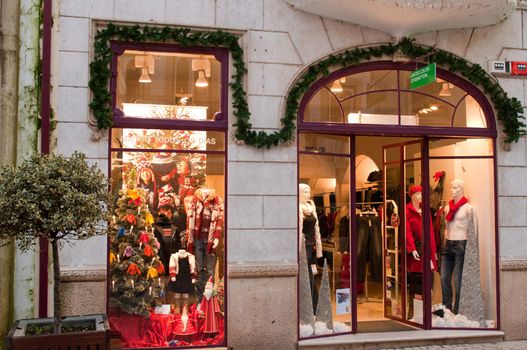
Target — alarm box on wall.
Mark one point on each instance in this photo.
(518, 68)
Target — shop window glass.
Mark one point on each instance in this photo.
(321, 143)
(440, 89)
(374, 108)
(425, 110)
(464, 294)
(367, 82)
(324, 245)
(323, 107)
(469, 114)
(168, 85)
(166, 239)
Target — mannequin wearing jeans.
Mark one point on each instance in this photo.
(453, 253)
(309, 230)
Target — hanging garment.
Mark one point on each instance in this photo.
(369, 247)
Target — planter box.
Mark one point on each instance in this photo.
(99, 339)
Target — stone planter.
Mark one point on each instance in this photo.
(99, 339)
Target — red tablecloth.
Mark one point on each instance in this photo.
(158, 330)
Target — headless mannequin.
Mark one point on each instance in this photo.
(453, 253)
(182, 253)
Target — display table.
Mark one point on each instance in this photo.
(156, 330)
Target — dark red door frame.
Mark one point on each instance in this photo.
(45, 115)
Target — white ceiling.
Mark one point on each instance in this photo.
(405, 17)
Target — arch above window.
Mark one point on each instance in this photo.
(377, 94)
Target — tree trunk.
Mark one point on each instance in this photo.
(57, 310)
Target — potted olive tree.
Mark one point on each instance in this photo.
(61, 199)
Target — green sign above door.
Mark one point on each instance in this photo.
(423, 76)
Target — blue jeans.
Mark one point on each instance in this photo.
(205, 264)
(452, 258)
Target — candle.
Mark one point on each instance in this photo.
(153, 259)
(150, 290)
(140, 245)
(113, 284)
(133, 286)
(139, 210)
(131, 228)
(159, 281)
(118, 258)
(113, 218)
(147, 207)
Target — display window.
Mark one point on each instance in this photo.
(397, 214)
(166, 284)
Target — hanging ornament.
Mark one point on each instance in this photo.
(148, 251)
(133, 269)
(160, 268)
(149, 219)
(128, 251)
(152, 273)
(143, 237)
(120, 232)
(130, 217)
(133, 194)
(113, 258)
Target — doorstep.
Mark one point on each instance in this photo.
(387, 340)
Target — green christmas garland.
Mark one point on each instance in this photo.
(509, 110)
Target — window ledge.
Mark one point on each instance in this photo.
(402, 339)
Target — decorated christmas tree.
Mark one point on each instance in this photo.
(134, 263)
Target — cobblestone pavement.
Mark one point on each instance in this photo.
(506, 345)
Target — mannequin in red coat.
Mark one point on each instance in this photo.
(414, 233)
(414, 247)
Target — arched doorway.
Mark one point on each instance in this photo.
(426, 147)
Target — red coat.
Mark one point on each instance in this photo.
(414, 228)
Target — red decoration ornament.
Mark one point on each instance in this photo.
(133, 269)
(131, 219)
(143, 238)
(148, 251)
(160, 268)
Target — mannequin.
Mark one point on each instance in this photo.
(204, 230)
(182, 269)
(310, 234)
(460, 246)
(414, 239)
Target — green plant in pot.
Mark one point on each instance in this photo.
(61, 199)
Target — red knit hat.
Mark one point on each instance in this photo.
(414, 189)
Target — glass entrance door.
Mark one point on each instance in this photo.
(403, 232)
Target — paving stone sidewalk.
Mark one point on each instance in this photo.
(506, 345)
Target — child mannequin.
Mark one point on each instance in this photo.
(182, 270)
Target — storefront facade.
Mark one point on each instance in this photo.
(362, 140)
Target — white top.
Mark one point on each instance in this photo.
(456, 230)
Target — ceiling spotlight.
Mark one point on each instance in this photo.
(433, 108)
(201, 81)
(336, 86)
(144, 78)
